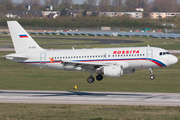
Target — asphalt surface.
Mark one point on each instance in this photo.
(82, 97)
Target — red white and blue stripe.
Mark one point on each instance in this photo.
(157, 62)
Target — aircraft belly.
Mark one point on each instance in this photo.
(142, 64)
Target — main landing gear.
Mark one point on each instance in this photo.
(152, 77)
(91, 78)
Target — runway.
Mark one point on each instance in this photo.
(95, 98)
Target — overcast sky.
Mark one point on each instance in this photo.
(75, 1)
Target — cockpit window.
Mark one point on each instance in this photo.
(167, 53)
(164, 53)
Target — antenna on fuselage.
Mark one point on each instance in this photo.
(72, 48)
(148, 45)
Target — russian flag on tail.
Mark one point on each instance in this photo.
(23, 36)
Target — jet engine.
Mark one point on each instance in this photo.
(112, 70)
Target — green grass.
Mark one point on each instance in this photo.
(86, 112)
(23, 77)
(17, 76)
(169, 44)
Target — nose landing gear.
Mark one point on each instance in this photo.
(152, 77)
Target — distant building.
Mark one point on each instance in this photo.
(23, 13)
(31, 13)
(116, 14)
(157, 15)
(140, 9)
(50, 14)
(74, 12)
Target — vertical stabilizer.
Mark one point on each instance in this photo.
(22, 41)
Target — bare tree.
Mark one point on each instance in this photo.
(70, 2)
(104, 5)
(46, 2)
(165, 5)
(54, 3)
(91, 3)
(117, 5)
(6, 5)
(35, 4)
(133, 4)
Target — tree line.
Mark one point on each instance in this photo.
(94, 5)
(94, 22)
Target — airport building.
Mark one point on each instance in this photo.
(116, 14)
(157, 15)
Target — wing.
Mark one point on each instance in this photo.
(91, 65)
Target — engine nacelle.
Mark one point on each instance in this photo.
(113, 70)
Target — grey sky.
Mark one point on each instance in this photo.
(75, 1)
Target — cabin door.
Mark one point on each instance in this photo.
(43, 58)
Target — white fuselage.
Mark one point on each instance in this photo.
(128, 57)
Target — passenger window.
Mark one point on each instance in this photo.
(108, 55)
(79, 56)
(76, 56)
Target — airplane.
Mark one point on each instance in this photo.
(112, 62)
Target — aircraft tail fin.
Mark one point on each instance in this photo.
(22, 41)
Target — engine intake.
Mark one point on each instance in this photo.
(113, 70)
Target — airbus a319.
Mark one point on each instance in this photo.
(112, 62)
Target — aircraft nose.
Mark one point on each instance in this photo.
(172, 60)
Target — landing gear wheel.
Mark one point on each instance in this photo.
(99, 77)
(152, 77)
(90, 79)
